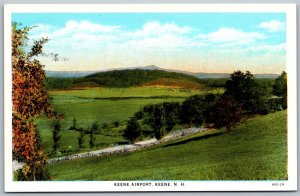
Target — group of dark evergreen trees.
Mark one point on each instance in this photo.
(244, 96)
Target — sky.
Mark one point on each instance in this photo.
(195, 42)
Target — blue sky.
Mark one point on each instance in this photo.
(198, 42)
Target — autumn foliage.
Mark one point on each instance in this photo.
(29, 100)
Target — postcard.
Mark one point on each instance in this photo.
(158, 97)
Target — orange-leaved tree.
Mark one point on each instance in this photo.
(29, 99)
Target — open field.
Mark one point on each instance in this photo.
(145, 91)
(104, 105)
(255, 150)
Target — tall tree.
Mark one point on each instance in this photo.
(133, 130)
(156, 118)
(171, 114)
(243, 88)
(56, 136)
(81, 138)
(30, 99)
(280, 88)
(209, 100)
(158, 121)
(94, 129)
(225, 113)
(161, 117)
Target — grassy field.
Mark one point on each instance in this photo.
(255, 150)
(145, 91)
(104, 105)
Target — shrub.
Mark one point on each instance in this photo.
(74, 125)
(116, 123)
(139, 115)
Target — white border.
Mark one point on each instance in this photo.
(75, 186)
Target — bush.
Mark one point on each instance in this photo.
(41, 174)
(116, 123)
(105, 126)
(139, 115)
(74, 125)
(275, 104)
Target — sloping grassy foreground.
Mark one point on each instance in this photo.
(255, 150)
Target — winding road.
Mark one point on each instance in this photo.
(121, 148)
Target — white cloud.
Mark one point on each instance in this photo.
(73, 27)
(157, 35)
(272, 26)
(231, 36)
(163, 41)
(155, 29)
(168, 42)
(77, 34)
(87, 34)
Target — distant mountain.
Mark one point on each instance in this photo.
(149, 67)
(71, 74)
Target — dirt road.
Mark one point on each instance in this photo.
(122, 148)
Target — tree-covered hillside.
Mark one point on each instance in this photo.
(139, 77)
(119, 78)
(126, 78)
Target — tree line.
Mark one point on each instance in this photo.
(244, 96)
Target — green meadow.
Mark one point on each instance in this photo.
(104, 106)
(254, 150)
